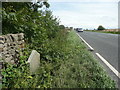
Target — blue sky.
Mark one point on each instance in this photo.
(88, 14)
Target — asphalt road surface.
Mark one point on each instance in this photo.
(105, 44)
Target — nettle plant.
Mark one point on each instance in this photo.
(40, 28)
(29, 18)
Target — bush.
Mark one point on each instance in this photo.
(24, 17)
(39, 27)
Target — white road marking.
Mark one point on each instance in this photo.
(85, 42)
(105, 61)
(109, 65)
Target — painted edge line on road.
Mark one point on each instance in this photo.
(105, 61)
(85, 42)
(109, 65)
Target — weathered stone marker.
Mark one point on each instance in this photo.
(34, 61)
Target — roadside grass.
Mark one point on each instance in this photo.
(104, 31)
(65, 63)
(80, 69)
(111, 32)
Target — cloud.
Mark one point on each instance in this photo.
(87, 15)
(84, 0)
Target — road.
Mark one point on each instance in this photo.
(105, 44)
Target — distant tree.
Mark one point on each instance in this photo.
(101, 28)
(62, 27)
(71, 27)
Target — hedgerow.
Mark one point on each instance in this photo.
(42, 33)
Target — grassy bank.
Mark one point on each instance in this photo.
(104, 31)
(67, 65)
(80, 69)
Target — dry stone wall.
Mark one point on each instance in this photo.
(10, 47)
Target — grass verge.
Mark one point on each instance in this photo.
(80, 69)
(65, 63)
(105, 32)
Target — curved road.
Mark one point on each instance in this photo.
(105, 44)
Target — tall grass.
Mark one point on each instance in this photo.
(65, 63)
(80, 69)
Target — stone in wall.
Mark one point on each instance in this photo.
(10, 46)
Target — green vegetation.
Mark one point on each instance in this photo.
(101, 28)
(65, 62)
(62, 26)
(80, 69)
(72, 66)
(112, 32)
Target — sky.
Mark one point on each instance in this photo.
(87, 14)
